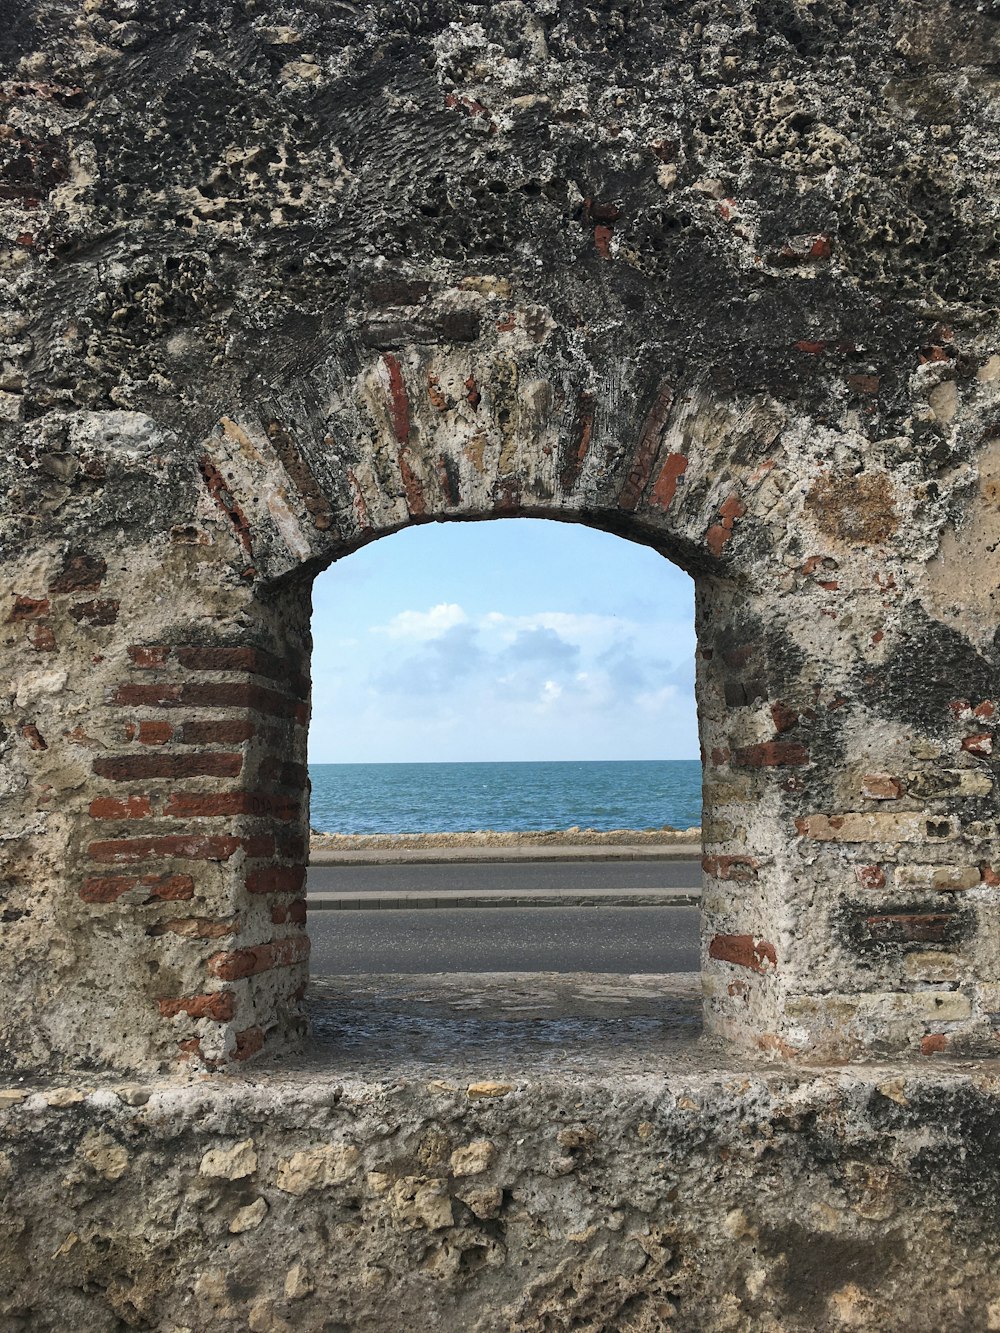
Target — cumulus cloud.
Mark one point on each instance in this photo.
(576, 664)
(424, 624)
(447, 660)
(579, 627)
(544, 646)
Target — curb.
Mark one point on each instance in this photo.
(494, 855)
(373, 902)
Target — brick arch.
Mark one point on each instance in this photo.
(184, 842)
(678, 319)
(162, 718)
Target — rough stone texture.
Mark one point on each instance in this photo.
(718, 277)
(282, 279)
(506, 1155)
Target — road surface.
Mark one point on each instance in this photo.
(535, 939)
(527, 875)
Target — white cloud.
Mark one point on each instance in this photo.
(424, 625)
(551, 691)
(577, 628)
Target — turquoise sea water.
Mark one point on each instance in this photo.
(457, 798)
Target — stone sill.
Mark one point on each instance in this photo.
(447, 1032)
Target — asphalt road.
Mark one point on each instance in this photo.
(537, 875)
(536, 939)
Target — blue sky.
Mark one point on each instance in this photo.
(517, 639)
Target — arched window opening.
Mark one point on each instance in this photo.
(503, 716)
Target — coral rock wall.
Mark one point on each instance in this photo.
(282, 279)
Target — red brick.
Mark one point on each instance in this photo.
(719, 533)
(148, 696)
(743, 950)
(730, 867)
(212, 694)
(139, 767)
(290, 842)
(194, 847)
(933, 1044)
(220, 1005)
(276, 879)
(910, 927)
(294, 912)
(737, 657)
(665, 486)
(227, 731)
(28, 608)
(413, 489)
(881, 787)
(989, 876)
(81, 572)
(771, 754)
(102, 611)
(148, 656)
(168, 888)
(42, 639)
(108, 888)
(985, 710)
(34, 737)
(647, 447)
(248, 1043)
(784, 717)
(870, 877)
(602, 240)
(124, 807)
(283, 772)
(154, 733)
(218, 489)
(212, 804)
(399, 405)
(981, 744)
(257, 661)
(259, 844)
(239, 963)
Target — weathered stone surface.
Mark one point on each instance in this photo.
(318, 1168)
(280, 281)
(716, 1198)
(249, 1217)
(473, 1158)
(233, 1163)
(278, 284)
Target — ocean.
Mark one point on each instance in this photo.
(460, 798)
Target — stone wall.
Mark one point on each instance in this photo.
(390, 1182)
(279, 280)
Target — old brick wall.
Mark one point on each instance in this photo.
(279, 282)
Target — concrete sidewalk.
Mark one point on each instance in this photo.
(458, 855)
(374, 902)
